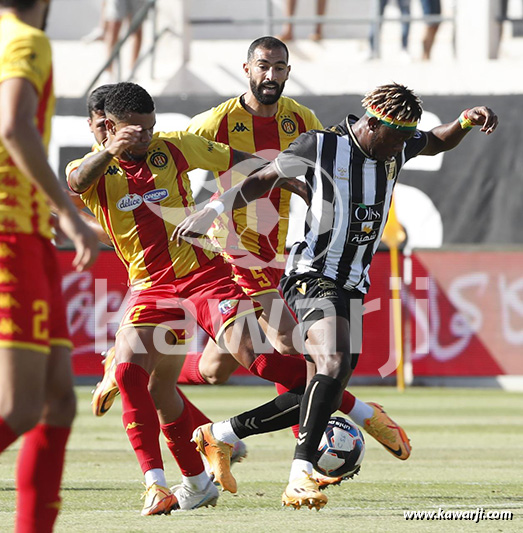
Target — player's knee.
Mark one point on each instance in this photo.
(68, 408)
(218, 376)
(60, 408)
(160, 394)
(217, 370)
(156, 394)
(217, 373)
(24, 419)
(283, 344)
(337, 364)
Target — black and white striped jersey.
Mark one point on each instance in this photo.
(350, 196)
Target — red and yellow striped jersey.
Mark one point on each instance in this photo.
(139, 203)
(25, 52)
(232, 124)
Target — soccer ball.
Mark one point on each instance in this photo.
(341, 449)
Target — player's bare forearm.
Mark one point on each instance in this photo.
(238, 157)
(255, 186)
(252, 188)
(89, 171)
(23, 141)
(92, 223)
(448, 136)
(296, 186)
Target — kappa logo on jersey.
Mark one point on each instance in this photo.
(129, 202)
(159, 160)
(155, 196)
(225, 306)
(366, 213)
(288, 126)
(239, 127)
(112, 170)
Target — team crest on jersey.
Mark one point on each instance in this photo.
(390, 168)
(226, 306)
(155, 196)
(129, 202)
(159, 160)
(288, 126)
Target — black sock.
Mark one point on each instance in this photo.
(280, 413)
(316, 408)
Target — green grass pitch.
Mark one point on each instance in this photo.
(467, 453)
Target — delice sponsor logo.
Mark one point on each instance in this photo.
(129, 202)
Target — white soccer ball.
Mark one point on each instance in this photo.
(341, 449)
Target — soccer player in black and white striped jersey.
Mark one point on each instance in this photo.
(350, 170)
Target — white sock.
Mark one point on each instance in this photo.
(223, 431)
(197, 483)
(360, 412)
(155, 475)
(298, 468)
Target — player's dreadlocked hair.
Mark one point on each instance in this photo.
(269, 43)
(394, 100)
(127, 97)
(96, 100)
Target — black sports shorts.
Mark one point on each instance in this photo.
(313, 298)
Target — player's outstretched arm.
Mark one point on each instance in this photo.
(19, 102)
(95, 227)
(297, 187)
(252, 188)
(88, 218)
(448, 136)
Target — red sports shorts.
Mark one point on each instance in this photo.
(32, 308)
(208, 296)
(257, 281)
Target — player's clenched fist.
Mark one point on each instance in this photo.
(484, 117)
(123, 139)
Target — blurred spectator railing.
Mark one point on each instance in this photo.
(139, 18)
(269, 21)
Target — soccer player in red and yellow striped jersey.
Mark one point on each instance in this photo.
(137, 186)
(232, 123)
(253, 239)
(141, 239)
(36, 386)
